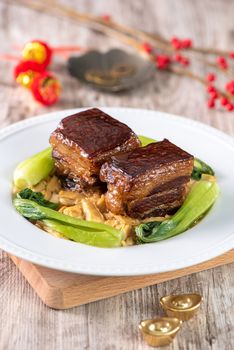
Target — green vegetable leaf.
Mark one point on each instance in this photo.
(145, 140)
(201, 197)
(85, 229)
(37, 197)
(200, 168)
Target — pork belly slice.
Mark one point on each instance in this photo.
(84, 141)
(148, 181)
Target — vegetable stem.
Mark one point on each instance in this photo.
(34, 169)
(101, 239)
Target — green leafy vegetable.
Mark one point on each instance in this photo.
(37, 197)
(201, 197)
(200, 168)
(102, 239)
(79, 230)
(145, 140)
(34, 169)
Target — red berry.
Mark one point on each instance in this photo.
(221, 59)
(184, 61)
(211, 103)
(230, 87)
(162, 61)
(214, 94)
(211, 88)
(229, 107)
(222, 62)
(176, 43)
(224, 101)
(210, 77)
(224, 66)
(186, 43)
(147, 47)
(106, 17)
(231, 54)
(177, 57)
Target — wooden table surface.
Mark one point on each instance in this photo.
(25, 323)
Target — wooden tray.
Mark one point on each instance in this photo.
(62, 290)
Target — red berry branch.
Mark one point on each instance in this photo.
(175, 55)
(171, 61)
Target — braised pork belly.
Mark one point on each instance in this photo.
(148, 181)
(84, 141)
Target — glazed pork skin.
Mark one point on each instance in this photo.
(84, 141)
(148, 181)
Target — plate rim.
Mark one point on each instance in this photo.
(52, 262)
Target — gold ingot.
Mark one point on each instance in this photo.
(34, 51)
(182, 306)
(160, 331)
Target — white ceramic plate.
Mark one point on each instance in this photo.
(210, 238)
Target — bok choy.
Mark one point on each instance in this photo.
(200, 168)
(88, 232)
(199, 200)
(145, 140)
(34, 169)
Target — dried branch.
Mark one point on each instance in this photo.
(130, 36)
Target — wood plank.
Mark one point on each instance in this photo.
(61, 290)
(111, 324)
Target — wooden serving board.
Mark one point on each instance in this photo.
(62, 290)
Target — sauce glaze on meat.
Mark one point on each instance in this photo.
(148, 181)
(84, 141)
